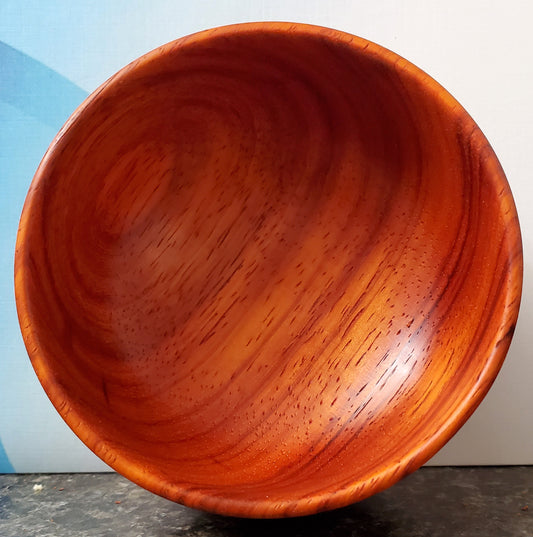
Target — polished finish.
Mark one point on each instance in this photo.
(268, 269)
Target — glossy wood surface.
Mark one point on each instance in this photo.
(268, 269)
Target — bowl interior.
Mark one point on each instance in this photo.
(268, 271)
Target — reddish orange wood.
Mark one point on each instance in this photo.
(268, 270)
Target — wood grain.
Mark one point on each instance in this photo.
(268, 269)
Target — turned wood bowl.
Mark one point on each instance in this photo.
(268, 269)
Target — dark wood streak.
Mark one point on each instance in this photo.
(268, 270)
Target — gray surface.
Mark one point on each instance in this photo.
(433, 502)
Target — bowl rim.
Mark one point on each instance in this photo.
(266, 508)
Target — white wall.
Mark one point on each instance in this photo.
(480, 50)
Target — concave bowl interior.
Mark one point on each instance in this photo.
(268, 270)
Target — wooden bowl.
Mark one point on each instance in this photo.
(268, 269)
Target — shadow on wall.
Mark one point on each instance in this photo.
(35, 101)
